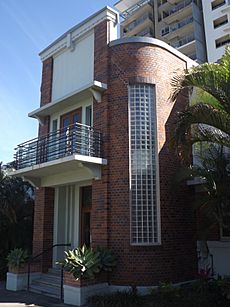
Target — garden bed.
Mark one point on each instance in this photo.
(202, 293)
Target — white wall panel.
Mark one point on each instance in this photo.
(73, 68)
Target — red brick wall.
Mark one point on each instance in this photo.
(175, 259)
(43, 225)
(99, 213)
(46, 85)
(46, 91)
(44, 199)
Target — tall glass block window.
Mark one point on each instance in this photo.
(143, 189)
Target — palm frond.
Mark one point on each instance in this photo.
(201, 122)
(212, 78)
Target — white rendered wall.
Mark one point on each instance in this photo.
(213, 53)
(73, 68)
(221, 255)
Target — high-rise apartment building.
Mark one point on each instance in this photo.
(180, 24)
(217, 27)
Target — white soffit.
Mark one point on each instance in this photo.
(123, 5)
(35, 173)
(95, 88)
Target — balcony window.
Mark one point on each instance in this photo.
(224, 40)
(217, 3)
(143, 180)
(220, 21)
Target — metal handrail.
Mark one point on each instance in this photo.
(31, 260)
(74, 139)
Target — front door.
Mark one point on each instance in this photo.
(86, 205)
(72, 218)
(70, 132)
(66, 219)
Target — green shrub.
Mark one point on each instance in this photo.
(17, 258)
(117, 299)
(224, 284)
(84, 262)
(202, 293)
(166, 295)
(107, 259)
(81, 262)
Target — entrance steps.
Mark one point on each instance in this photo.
(48, 284)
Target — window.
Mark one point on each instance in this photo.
(220, 21)
(217, 3)
(143, 180)
(225, 233)
(86, 205)
(53, 141)
(88, 116)
(224, 40)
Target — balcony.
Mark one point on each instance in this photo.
(183, 41)
(139, 24)
(177, 12)
(177, 29)
(127, 9)
(58, 152)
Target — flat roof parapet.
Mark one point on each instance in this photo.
(87, 25)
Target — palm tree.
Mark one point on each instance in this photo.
(213, 202)
(208, 118)
(207, 121)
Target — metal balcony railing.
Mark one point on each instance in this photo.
(132, 9)
(75, 139)
(183, 41)
(176, 26)
(177, 8)
(138, 21)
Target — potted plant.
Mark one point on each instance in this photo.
(17, 259)
(16, 275)
(84, 262)
(84, 267)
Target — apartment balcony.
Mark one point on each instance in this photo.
(147, 32)
(183, 41)
(185, 45)
(178, 12)
(128, 8)
(138, 25)
(178, 29)
(64, 150)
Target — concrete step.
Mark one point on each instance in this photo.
(48, 284)
(51, 278)
(54, 271)
(47, 290)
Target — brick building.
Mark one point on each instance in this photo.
(102, 163)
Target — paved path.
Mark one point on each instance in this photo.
(24, 298)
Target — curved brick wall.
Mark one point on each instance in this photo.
(175, 259)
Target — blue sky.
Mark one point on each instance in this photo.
(27, 27)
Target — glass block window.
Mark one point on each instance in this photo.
(143, 189)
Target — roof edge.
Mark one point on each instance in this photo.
(79, 25)
(156, 42)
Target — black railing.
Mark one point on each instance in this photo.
(183, 41)
(75, 139)
(32, 259)
(176, 8)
